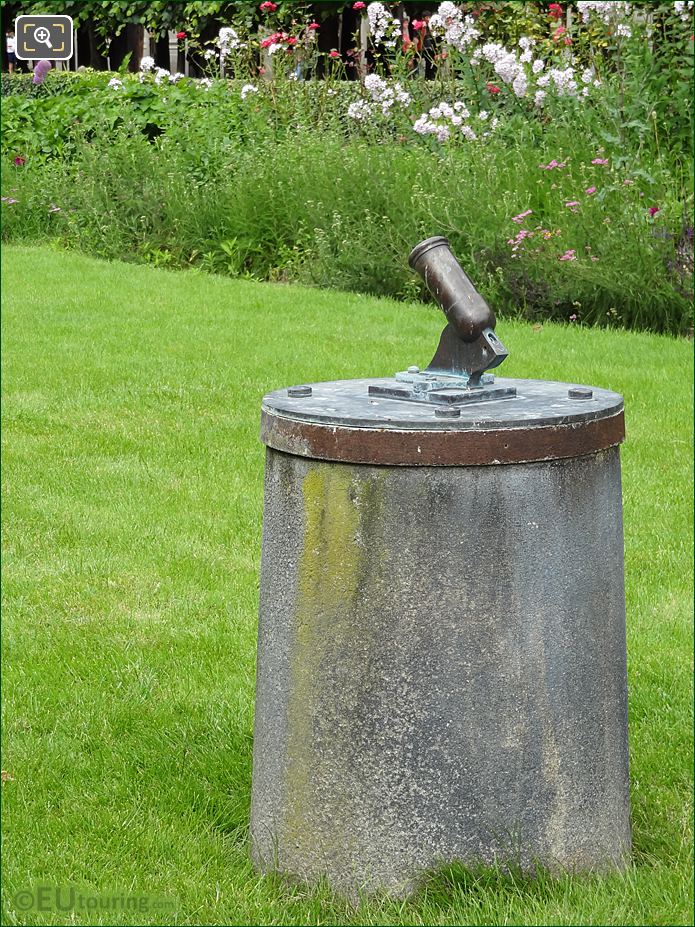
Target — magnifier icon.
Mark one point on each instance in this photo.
(41, 34)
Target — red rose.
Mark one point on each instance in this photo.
(333, 53)
(313, 26)
(359, 5)
(268, 7)
(555, 11)
(180, 35)
(492, 88)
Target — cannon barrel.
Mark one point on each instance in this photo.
(464, 307)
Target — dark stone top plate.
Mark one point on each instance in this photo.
(537, 403)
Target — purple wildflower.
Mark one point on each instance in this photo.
(41, 69)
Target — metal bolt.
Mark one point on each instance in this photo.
(297, 392)
(579, 392)
(413, 369)
(447, 413)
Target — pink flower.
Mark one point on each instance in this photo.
(333, 53)
(359, 5)
(180, 35)
(653, 210)
(600, 161)
(559, 32)
(313, 26)
(555, 11)
(19, 161)
(551, 165)
(568, 256)
(628, 183)
(572, 203)
(590, 190)
(522, 215)
(418, 24)
(573, 317)
(492, 88)
(268, 7)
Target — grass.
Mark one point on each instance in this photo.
(132, 488)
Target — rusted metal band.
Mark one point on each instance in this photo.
(450, 448)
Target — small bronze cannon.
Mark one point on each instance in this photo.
(468, 345)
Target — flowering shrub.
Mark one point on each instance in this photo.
(553, 152)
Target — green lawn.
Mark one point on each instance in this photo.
(132, 491)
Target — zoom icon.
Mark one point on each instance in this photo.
(43, 37)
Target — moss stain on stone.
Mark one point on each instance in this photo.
(328, 580)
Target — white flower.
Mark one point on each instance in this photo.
(374, 84)
(382, 26)
(683, 10)
(539, 97)
(622, 29)
(526, 56)
(564, 81)
(526, 42)
(359, 110)
(210, 53)
(115, 83)
(228, 40)
(443, 118)
(160, 74)
(520, 85)
(605, 11)
(205, 82)
(537, 66)
(273, 47)
(385, 93)
(175, 77)
(146, 63)
(456, 29)
(246, 90)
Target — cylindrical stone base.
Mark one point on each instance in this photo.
(441, 669)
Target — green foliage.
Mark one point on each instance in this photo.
(282, 185)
